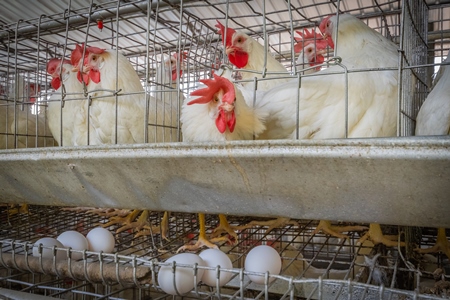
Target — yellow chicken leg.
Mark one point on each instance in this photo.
(22, 209)
(325, 226)
(138, 224)
(224, 226)
(128, 219)
(442, 244)
(202, 240)
(376, 236)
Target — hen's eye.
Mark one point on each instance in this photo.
(94, 58)
(216, 99)
(239, 40)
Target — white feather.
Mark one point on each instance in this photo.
(131, 108)
(198, 121)
(372, 96)
(71, 109)
(434, 115)
(256, 53)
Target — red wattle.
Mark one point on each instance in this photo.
(330, 42)
(85, 77)
(94, 75)
(174, 75)
(79, 76)
(239, 58)
(231, 122)
(56, 83)
(221, 123)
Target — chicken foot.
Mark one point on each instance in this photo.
(22, 209)
(376, 236)
(122, 220)
(163, 229)
(336, 231)
(224, 227)
(138, 224)
(202, 239)
(442, 244)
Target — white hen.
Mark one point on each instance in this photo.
(434, 115)
(220, 114)
(19, 127)
(64, 75)
(99, 74)
(246, 53)
(372, 95)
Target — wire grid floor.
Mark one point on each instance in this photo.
(314, 266)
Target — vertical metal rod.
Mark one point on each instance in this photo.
(147, 63)
(224, 38)
(16, 87)
(7, 90)
(178, 62)
(297, 112)
(291, 28)
(61, 121)
(89, 99)
(400, 67)
(36, 82)
(116, 98)
(335, 37)
(346, 100)
(266, 43)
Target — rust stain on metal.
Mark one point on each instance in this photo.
(240, 169)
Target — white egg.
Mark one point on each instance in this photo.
(100, 239)
(74, 240)
(184, 276)
(48, 253)
(214, 258)
(262, 259)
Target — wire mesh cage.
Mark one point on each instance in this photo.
(164, 49)
(314, 266)
(148, 33)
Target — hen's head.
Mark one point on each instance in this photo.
(220, 95)
(170, 64)
(54, 69)
(90, 65)
(326, 28)
(238, 45)
(313, 47)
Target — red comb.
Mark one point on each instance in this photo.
(308, 37)
(323, 24)
(76, 55)
(95, 50)
(213, 86)
(230, 32)
(322, 28)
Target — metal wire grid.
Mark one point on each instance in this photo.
(414, 53)
(184, 26)
(314, 266)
